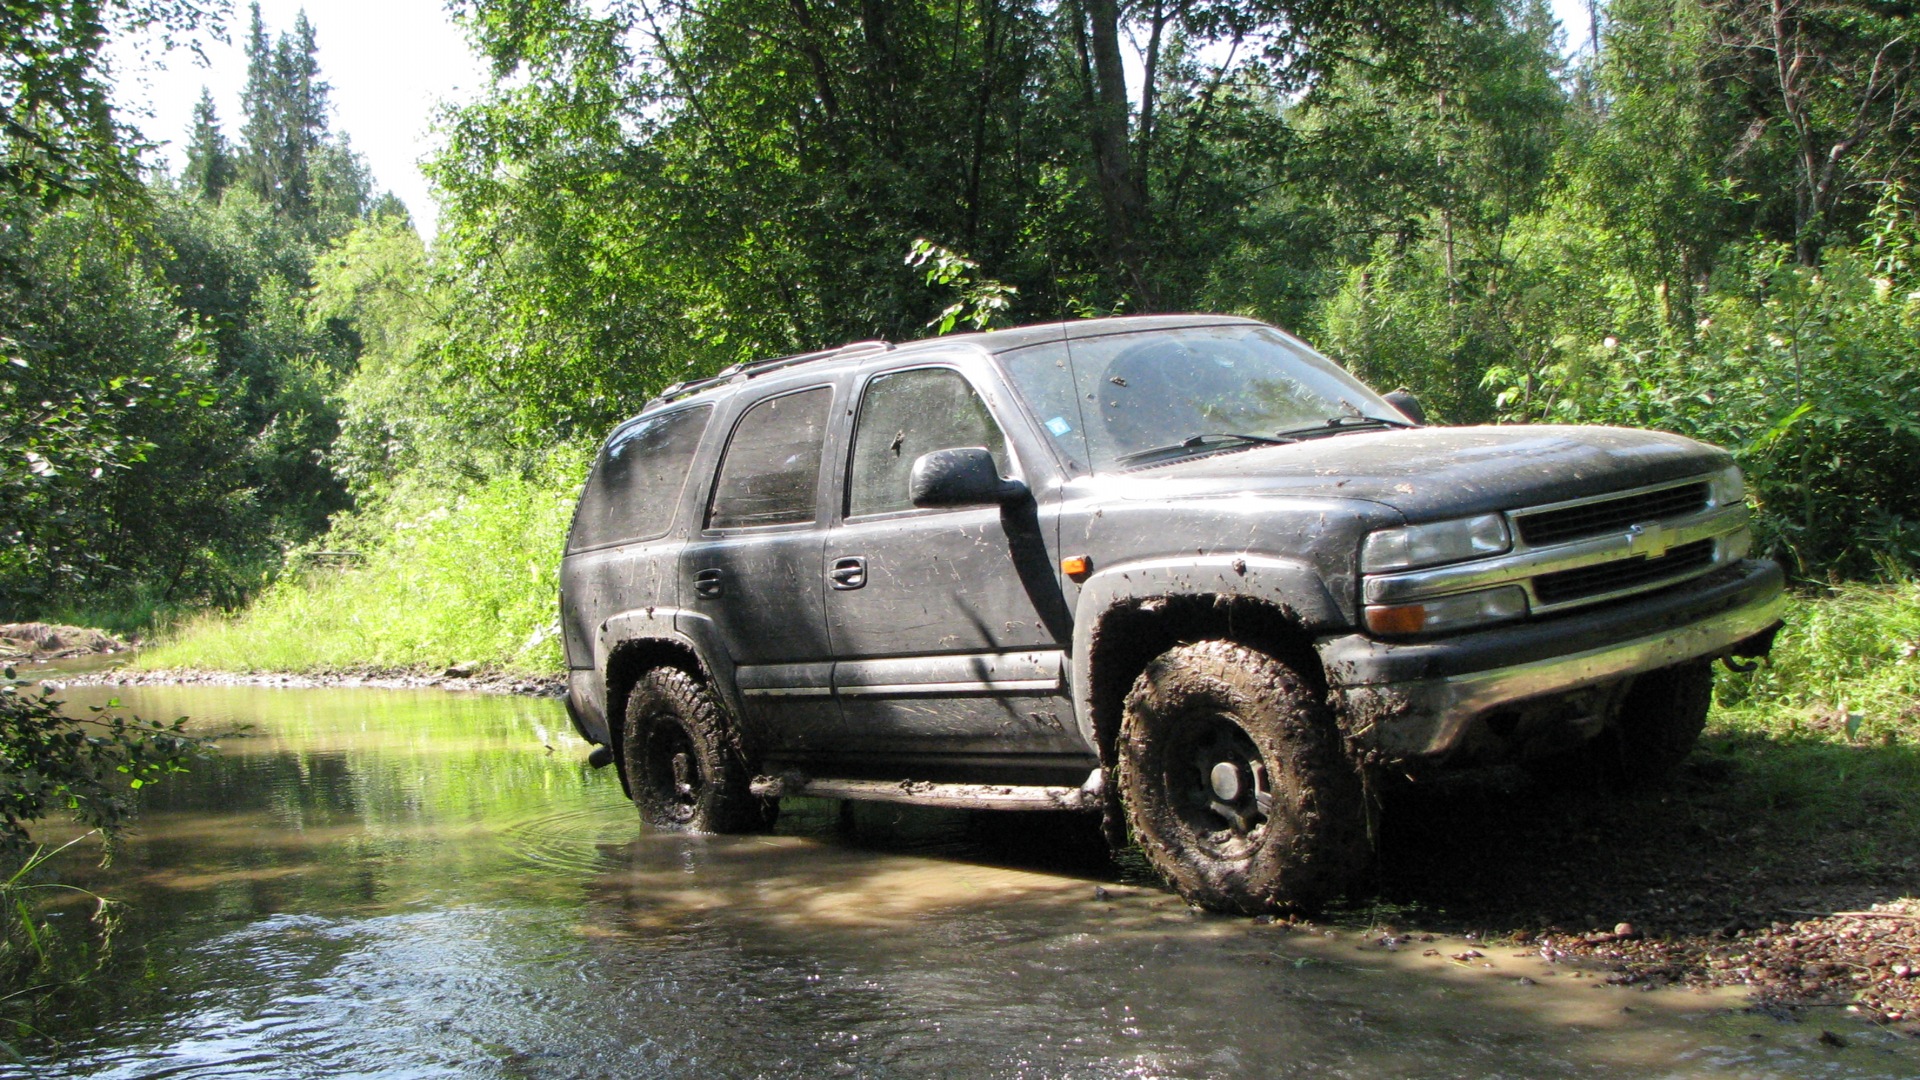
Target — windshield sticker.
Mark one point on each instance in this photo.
(1059, 426)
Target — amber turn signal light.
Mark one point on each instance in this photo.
(1403, 619)
(1077, 566)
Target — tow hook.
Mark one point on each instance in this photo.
(1748, 654)
(601, 757)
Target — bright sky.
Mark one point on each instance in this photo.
(391, 64)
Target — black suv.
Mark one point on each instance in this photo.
(1183, 571)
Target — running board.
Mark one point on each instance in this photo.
(927, 793)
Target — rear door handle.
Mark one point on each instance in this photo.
(710, 583)
(848, 573)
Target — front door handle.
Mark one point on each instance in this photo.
(710, 583)
(848, 573)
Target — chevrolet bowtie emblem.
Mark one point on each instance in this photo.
(1651, 540)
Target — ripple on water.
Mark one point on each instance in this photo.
(568, 839)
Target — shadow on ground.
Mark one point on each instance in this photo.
(1749, 832)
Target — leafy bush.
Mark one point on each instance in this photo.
(1805, 373)
(433, 577)
(92, 767)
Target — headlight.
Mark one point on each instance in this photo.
(1449, 612)
(1439, 542)
(1728, 487)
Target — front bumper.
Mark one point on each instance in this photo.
(1419, 699)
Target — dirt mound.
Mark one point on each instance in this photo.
(50, 641)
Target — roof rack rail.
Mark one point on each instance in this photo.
(752, 368)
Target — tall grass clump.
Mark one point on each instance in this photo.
(428, 578)
(1846, 665)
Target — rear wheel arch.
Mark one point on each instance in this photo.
(682, 760)
(627, 664)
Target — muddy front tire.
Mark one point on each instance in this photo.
(682, 760)
(1659, 722)
(1236, 783)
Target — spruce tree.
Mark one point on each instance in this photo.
(259, 132)
(286, 107)
(210, 162)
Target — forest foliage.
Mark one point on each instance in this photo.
(1705, 222)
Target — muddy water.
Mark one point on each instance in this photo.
(424, 884)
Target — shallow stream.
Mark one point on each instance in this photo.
(428, 884)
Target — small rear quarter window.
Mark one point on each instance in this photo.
(636, 482)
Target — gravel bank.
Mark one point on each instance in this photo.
(459, 677)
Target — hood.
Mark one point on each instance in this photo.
(1437, 472)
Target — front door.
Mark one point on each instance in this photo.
(945, 621)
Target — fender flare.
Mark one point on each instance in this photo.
(683, 630)
(1294, 588)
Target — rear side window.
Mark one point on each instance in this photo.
(772, 464)
(636, 483)
(904, 415)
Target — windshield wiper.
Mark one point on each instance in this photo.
(1195, 442)
(1337, 425)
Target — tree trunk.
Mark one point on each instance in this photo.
(1122, 197)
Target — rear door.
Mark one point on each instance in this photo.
(948, 623)
(753, 569)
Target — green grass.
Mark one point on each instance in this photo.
(1846, 668)
(1826, 738)
(439, 579)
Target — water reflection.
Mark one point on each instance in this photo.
(422, 884)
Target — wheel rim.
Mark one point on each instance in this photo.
(1219, 785)
(673, 774)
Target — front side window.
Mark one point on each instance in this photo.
(903, 415)
(1120, 399)
(772, 464)
(636, 482)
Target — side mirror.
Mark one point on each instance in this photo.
(1407, 404)
(961, 476)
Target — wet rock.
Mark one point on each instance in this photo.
(46, 641)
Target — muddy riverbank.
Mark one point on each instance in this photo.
(1715, 880)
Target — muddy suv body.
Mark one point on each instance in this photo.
(1183, 571)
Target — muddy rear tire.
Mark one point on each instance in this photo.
(682, 761)
(1236, 783)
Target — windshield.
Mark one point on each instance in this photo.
(1131, 399)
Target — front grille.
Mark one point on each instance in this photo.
(1611, 515)
(1631, 573)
